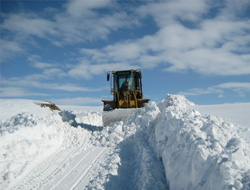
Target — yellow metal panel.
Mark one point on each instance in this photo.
(132, 103)
(124, 104)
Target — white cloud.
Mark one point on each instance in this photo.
(49, 70)
(218, 45)
(74, 88)
(240, 88)
(78, 22)
(35, 61)
(24, 24)
(42, 65)
(124, 50)
(8, 48)
(236, 8)
(78, 8)
(221, 51)
(170, 11)
(17, 92)
(209, 61)
(90, 27)
(185, 40)
(33, 82)
(236, 85)
(77, 101)
(87, 70)
(54, 72)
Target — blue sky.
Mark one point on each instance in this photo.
(61, 50)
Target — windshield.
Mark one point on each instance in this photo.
(124, 81)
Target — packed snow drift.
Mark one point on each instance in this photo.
(170, 145)
(201, 151)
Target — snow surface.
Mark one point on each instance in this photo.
(237, 114)
(201, 151)
(173, 145)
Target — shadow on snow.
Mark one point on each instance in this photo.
(70, 118)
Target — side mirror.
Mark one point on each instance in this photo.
(108, 76)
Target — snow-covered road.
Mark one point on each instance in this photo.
(166, 146)
(68, 169)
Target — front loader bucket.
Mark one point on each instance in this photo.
(109, 117)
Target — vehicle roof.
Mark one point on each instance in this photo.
(131, 70)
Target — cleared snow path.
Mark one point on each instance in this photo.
(134, 163)
(67, 169)
(138, 168)
(78, 170)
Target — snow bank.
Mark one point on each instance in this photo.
(200, 152)
(89, 118)
(237, 113)
(12, 107)
(30, 134)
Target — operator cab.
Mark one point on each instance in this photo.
(127, 81)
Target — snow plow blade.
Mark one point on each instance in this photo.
(115, 115)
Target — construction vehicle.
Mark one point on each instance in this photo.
(126, 88)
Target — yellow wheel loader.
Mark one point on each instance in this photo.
(126, 87)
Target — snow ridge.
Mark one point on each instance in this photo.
(200, 152)
(27, 140)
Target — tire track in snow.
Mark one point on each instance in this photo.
(68, 169)
(78, 182)
(87, 152)
(46, 171)
(77, 170)
(80, 168)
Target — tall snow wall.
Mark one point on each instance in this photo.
(200, 152)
